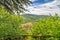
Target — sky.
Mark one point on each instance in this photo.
(44, 7)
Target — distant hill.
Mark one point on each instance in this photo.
(32, 17)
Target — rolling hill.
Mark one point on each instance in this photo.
(32, 17)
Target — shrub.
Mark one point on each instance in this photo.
(9, 24)
(50, 26)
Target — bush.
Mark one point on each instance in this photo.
(9, 24)
(50, 26)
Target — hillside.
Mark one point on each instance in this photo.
(32, 17)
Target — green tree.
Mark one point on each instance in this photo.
(15, 5)
(49, 25)
(10, 25)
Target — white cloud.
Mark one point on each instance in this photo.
(32, 0)
(45, 9)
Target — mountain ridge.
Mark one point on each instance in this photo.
(33, 17)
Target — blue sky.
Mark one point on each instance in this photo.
(38, 2)
(44, 7)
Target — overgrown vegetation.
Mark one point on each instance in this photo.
(10, 27)
(50, 26)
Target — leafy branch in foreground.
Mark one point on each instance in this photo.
(15, 5)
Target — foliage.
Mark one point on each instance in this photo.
(10, 27)
(10, 24)
(50, 25)
(15, 5)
